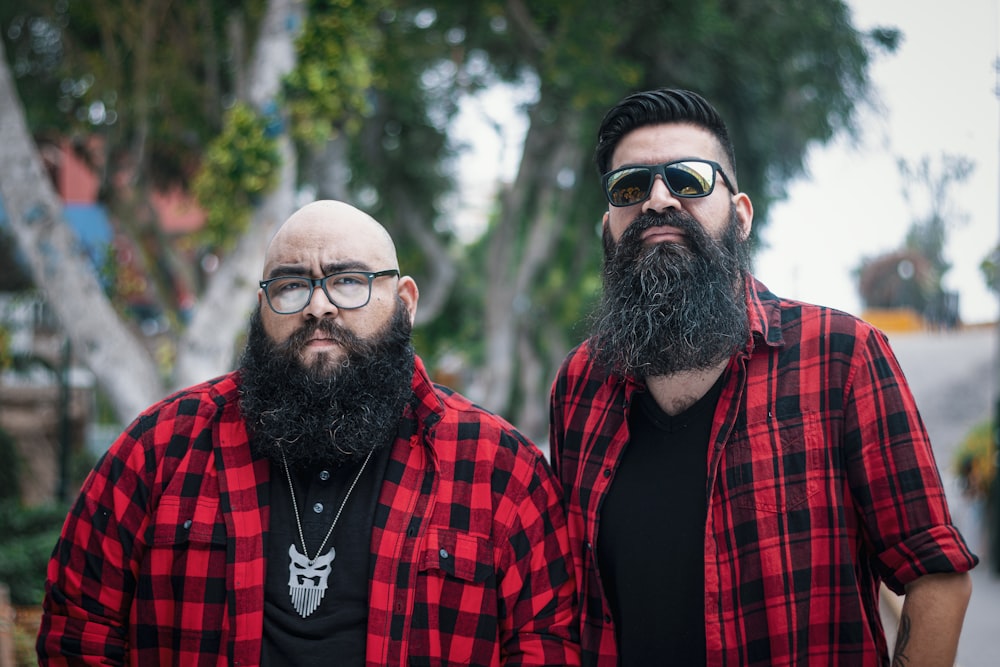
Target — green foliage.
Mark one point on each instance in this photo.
(975, 461)
(387, 77)
(239, 166)
(150, 80)
(913, 275)
(326, 90)
(6, 357)
(328, 87)
(10, 467)
(29, 537)
(990, 268)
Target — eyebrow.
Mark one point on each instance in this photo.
(332, 267)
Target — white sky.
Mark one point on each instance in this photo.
(937, 94)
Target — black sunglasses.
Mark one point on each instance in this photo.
(688, 179)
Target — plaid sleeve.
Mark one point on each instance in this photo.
(148, 517)
(537, 588)
(894, 475)
(91, 576)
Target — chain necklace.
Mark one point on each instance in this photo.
(307, 577)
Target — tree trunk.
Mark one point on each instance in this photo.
(105, 344)
(521, 245)
(206, 348)
(62, 271)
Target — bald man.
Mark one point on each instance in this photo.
(325, 503)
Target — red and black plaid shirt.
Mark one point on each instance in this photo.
(161, 559)
(821, 484)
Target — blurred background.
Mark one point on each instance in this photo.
(150, 149)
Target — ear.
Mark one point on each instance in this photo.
(408, 292)
(744, 213)
(604, 220)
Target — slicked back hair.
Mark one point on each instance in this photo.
(653, 107)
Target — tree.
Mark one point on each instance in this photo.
(124, 367)
(785, 74)
(913, 276)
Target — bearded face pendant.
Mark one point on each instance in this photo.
(307, 580)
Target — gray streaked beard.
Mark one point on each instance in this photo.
(325, 414)
(670, 307)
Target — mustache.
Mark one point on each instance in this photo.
(670, 218)
(328, 328)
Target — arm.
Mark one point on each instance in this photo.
(538, 587)
(931, 620)
(90, 578)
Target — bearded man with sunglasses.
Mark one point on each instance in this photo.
(324, 504)
(742, 471)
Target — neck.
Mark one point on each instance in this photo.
(677, 392)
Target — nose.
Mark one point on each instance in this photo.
(319, 305)
(660, 197)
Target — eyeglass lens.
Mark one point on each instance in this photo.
(345, 290)
(631, 185)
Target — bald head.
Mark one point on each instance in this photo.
(327, 237)
(337, 229)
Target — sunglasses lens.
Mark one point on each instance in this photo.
(629, 186)
(690, 179)
(687, 178)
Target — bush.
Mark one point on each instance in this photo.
(10, 468)
(30, 533)
(975, 461)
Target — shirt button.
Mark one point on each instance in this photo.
(444, 553)
(324, 475)
(318, 508)
(607, 472)
(187, 525)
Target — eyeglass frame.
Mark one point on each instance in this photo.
(661, 170)
(321, 283)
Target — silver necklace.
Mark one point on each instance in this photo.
(307, 577)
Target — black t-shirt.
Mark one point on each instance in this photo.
(338, 626)
(650, 543)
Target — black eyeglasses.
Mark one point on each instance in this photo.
(346, 290)
(688, 179)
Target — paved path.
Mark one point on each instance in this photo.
(954, 377)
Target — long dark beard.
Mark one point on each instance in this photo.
(325, 414)
(670, 307)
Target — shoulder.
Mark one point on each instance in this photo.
(467, 436)
(579, 367)
(789, 322)
(185, 412)
(464, 421)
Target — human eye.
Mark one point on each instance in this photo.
(348, 280)
(288, 285)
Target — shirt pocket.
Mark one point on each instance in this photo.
(457, 555)
(188, 524)
(454, 620)
(185, 573)
(776, 465)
